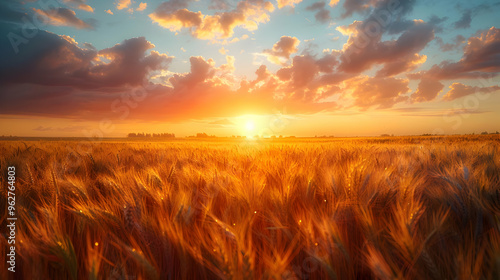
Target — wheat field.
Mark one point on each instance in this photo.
(360, 208)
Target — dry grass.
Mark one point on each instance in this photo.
(406, 208)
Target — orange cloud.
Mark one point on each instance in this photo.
(228, 67)
(458, 90)
(122, 4)
(87, 81)
(309, 79)
(174, 16)
(80, 4)
(177, 20)
(63, 17)
(109, 12)
(333, 3)
(481, 58)
(380, 92)
(401, 65)
(284, 3)
(428, 89)
(222, 50)
(282, 49)
(233, 40)
(142, 7)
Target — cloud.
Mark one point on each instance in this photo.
(464, 21)
(467, 14)
(175, 16)
(284, 3)
(64, 79)
(352, 6)
(218, 5)
(365, 47)
(458, 41)
(79, 4)
(201, 70)
(122, 4)
(401, 65)
(177, 20)
(63, 17)
(71, 128)
(51, 101)
(142, 6)
(171, 6)
(481, 59)
(333, 3)
(42, 128)
(310, 80)
(222, 122)
(322, 15)
(233, 40)
(87, 80)
(205, 91)
(282, 49)
(380, 92)
(396, 56)
(11, 13)
(109, 12)
(428, 89)
(389, 15)
(262, 74)
(302, 71)
(422, 112)
(458, 90)
(223, 51)
(228, 68)
(59, 61)
(435, 20)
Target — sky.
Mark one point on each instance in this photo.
(83, 68)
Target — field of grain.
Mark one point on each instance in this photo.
(374, 208)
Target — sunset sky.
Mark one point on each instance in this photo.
(286, 67)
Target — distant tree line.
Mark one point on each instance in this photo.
(158, 135)
(202, 135)
(482, 133)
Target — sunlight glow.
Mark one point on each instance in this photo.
(250, 125)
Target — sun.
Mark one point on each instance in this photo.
(250, 126)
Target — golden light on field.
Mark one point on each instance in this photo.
(228, 192)
(250, 139)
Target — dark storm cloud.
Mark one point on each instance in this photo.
(50, 59)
